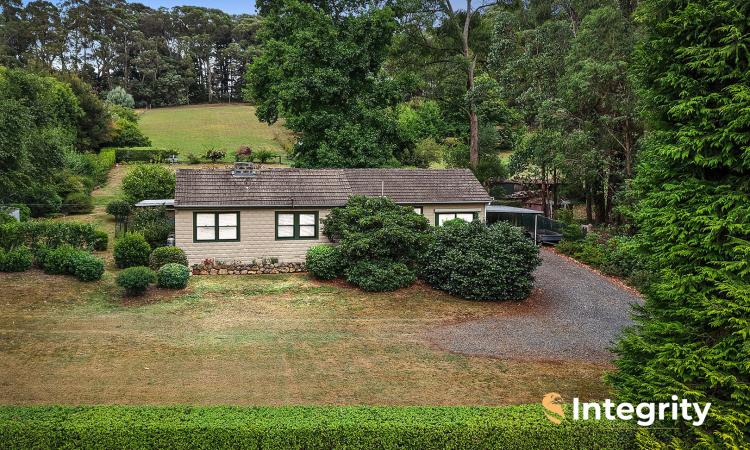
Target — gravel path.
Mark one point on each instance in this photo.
(573, 313)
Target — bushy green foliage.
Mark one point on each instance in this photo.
(378, 231)
(120, 209)
(380, 275)
(321, 74)
(480, 262)
(38, 124)
(521, 427)
(135, 280)
(131, 250)
(101, 240)
(166, 255)
(691, 338)
(56, 261)
(324, 262)
(94, 124)
(456, 154)
(173, 276)
(490, 167)
(17, 259)
(263, 156)
(153, 224)
(148, 181)
(142, 154)
(48, 233)
(78, 203)
(127, 134)
(119, 96)
(214, 154)
(87, 267)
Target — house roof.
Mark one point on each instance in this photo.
(324, 187)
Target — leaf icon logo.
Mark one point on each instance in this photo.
(552, 402)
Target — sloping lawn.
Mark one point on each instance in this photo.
(253, 340)
(194, 129)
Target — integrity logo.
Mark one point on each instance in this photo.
(644, 413)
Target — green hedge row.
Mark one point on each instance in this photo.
(308, 427)
(47, 233)
(124, 154)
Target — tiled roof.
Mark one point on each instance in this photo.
(324, 187)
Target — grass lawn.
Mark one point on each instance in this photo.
(194, 129)
(252, 340)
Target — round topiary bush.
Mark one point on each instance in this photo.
(87, 267)
(57, 261)
(378, 276)
(78, 203)
(173, 276)
(135, 280)
(131, 250)
(18, 259)
(480, 262)
(101, 240)
(166, 255)
(324, 262)
(118, 208)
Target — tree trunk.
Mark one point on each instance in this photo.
(589, 201)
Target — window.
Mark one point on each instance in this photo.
(297, 225)
(442, 217)
(418, 210)
(215, 226)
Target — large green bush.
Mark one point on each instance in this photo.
(18, 259)
(131, 250)
(173, 276)
(56, 261)
(87, 267)
(135, 280)
(476, 261)
(324, 262)
(692, 337)
(304, 427)
(166, 255)
(120, 209)
(378, 231)
(380, 275)
(153, 224)
(148, 181)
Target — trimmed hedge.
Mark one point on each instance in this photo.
(87, 267)
(380, 275)
(124, 154)
(308, 427)
(18, 259)
(68, 260)
(131, 250)
(173, 276)
(135, 280)
(165, 255)
(324, 262)
(48, 233)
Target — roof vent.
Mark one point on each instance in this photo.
(243, 169)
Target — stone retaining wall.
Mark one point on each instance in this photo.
(218, 268)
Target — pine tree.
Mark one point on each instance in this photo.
(692, 336)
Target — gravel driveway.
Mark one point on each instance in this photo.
(573, 313)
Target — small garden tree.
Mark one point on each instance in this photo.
(380, 241)
(119, 96)
(148, 181)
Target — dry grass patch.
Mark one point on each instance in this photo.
(255, 340)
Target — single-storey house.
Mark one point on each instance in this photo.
(245, 214)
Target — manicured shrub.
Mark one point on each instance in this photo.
(119, 209)
(165, 255)
(173, 276)
(153, 224)
(47, 233)
(378, 231)
(148, 181)
(131, 250)
(57, 261)
(101, 241)
(142, 154)
(480, 262)
(78, 203)
(135, 280)
(522, 427)
(324, 262)
(18, 259)
(379, 275)
(87, 267)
